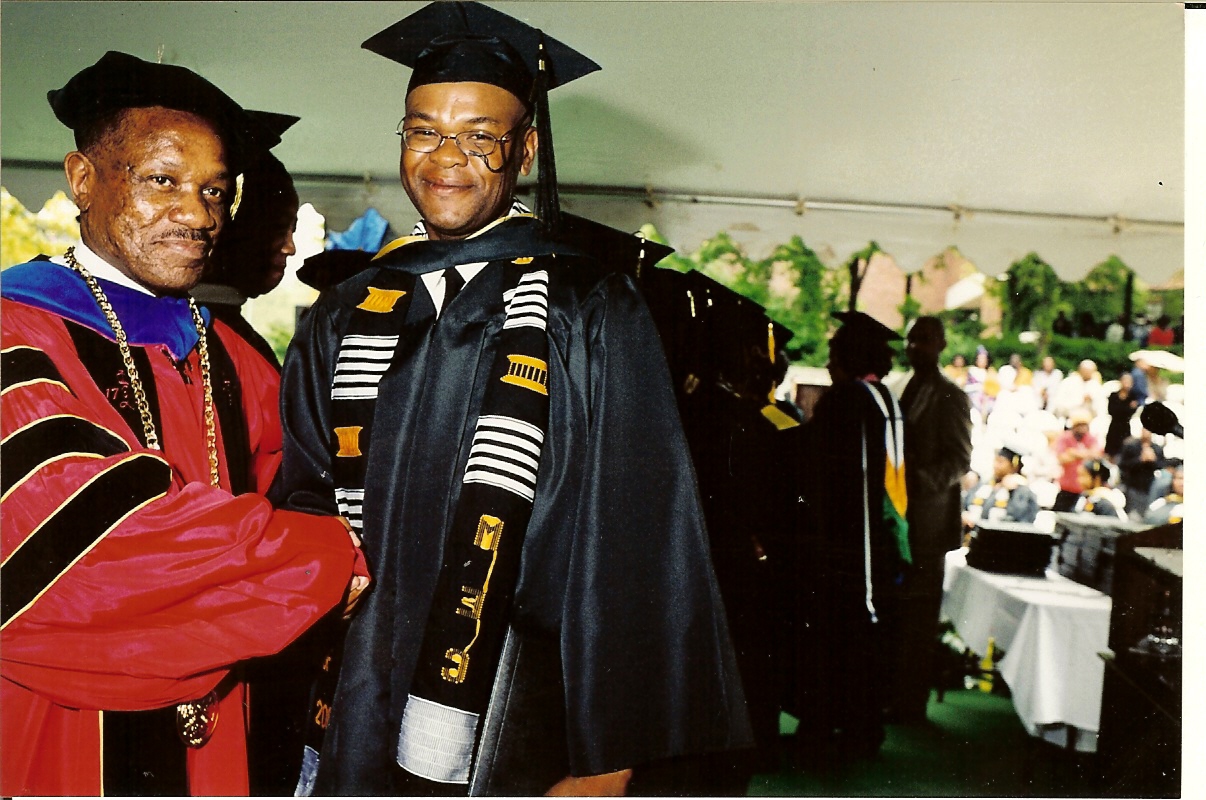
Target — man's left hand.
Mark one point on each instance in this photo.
(609, 784)
(360, 577)
(355, 589)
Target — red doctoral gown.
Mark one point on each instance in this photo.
(129, 582)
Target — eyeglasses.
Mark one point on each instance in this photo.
(471, 143)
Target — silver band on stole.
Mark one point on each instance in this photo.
(436, 741)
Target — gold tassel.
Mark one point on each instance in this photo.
(238, 198)
(986, 666)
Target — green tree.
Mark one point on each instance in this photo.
(1031, 296)
(792, 284)
(1102, 293)
(910, 307)
(856, 267)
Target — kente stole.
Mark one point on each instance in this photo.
(468, 618)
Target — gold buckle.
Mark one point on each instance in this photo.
(196, 720)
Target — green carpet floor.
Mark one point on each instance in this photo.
(972, 745)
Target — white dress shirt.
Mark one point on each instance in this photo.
(102, 269)
(436, 284)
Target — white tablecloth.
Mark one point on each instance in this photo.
(1051, 630)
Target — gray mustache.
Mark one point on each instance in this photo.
(191, 235)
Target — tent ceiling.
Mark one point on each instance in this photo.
(1055, 108)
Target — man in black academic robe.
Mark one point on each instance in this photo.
(742, 447)
(852, 554)
(613, 587)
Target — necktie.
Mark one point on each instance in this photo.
(453, 283)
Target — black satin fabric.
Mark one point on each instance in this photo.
(615, 562)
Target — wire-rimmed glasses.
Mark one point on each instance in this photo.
(471, 143)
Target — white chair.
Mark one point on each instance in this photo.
(1045, 521)
(1044, 492)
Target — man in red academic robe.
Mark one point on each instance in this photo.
(140, 561)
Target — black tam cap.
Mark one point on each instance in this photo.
(274, 123)
(865, 327)
(454, 42)
(119, 81)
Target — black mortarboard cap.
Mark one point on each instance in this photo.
(1014, 448)
(119, 80)
(449, 42)
(329, 268)
(719, 301)
(733, 315)
(1160, 419)
(452, 42)
(865, 327)
(625, 252)
(265, 178)
(667, 293)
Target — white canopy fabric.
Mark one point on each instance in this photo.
(1056, 108)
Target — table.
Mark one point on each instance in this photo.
(1051, 630)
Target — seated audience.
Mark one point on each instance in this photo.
(957, 370)
(1168, 509)
(983, 385)
(1121, 406)
(1006, 499)
(1071, 448)
(1014, 374)
(1081, 389)
(1097, 496)
(1045, 381)
(1139, 459)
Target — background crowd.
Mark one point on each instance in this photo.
(1057, 423)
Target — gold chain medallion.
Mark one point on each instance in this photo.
(140, 395)
(196, 721)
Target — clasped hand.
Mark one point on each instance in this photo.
(360, 577)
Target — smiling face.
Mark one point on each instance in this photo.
(153, 195)
(457, 195)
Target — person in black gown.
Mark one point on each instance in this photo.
(490, 407)
(856, 545)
